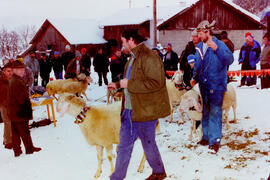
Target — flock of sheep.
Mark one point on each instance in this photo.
(102, 123)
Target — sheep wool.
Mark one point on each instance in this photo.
(81, 116)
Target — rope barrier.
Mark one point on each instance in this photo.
(260, 73)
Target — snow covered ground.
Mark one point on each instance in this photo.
(65, 154)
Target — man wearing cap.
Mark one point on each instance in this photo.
(184, 65)
(20, 111)
(74, 67)
(28, 75)
(33, 64)
(265, 61)
(86, 62)
(45, 69)
(4, 80)
(170, 60)
(249, 56)
(67, 56)
(212, 58)
(57, 64)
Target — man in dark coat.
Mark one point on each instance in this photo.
(45, 69)
(57, 64)
(117, 65)
(4, 80)
(20, 111)
(101, 64)
(170, 60)
(184, 65)
(265, 61)
(86, 62)
(67, 56)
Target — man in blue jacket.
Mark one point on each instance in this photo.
(249, 56)
(212, 58)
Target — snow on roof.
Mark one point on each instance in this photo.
(139, 15)
(253, 16)
(79, 31)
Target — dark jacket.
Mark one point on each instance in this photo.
(171, 64)
(190, 49)
(211, 71)
(229, 44)
(86, 64)
(254, 55)
(66, 58)
(71, 69)
(45, 68)
(147, 86)
(57, 64)
(19, 104)
(117, 67)
(3, 91)
(101, 63)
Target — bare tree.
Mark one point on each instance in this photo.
(253, 6)
(27, 32)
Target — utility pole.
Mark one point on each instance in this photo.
(155, 21)
(129, 3)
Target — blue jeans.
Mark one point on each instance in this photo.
(129, 132)
(212, 116)
(58, 75)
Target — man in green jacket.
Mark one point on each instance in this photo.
(145, 100)
(20, 111)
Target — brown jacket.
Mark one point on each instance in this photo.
(71, 71)
(147, 86)
(19, 104)
(3, 91)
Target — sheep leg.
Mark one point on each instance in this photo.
(110, 156)
(55, 97)
(99, 157)
(172, 110)
(141, 167)
(234, 113)
(191, 130)
(201, 130)
(226, 118)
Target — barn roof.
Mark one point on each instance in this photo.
(75, 31)
(132, 16)
(229, 3)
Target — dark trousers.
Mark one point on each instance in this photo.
(249, 81)
(35, 80)
(20, 130)
(129, 133)
(104, 75)
(45, 81)
(265, 81)
(58, 75)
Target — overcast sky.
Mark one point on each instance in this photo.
(15, 13)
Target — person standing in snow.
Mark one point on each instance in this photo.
(20, 111)
(74, 67)
(57, 64)
(86, 62)
(4, 80)
(45, 69)
(33, 64)
(170, 60)
(101, 64)
(117, 65)
(249, 56)
(265, 61)
(67, 56)
(212, 58)
(145, 100)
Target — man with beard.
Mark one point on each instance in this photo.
(212, 58)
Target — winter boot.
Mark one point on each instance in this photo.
(203, 142)
(157, 176)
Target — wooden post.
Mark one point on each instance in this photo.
(155, 22)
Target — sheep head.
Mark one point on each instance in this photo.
(178, 77)
(69, 103)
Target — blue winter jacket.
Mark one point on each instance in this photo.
(254, 56)
(211, 71)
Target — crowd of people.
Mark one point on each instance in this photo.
(141, 73)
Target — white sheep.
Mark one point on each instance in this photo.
(175, 90)
(101, 126)
(76, 86)
(191, 99)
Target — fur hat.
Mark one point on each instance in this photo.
(17, 64)
(206, 26)
(191, 59)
